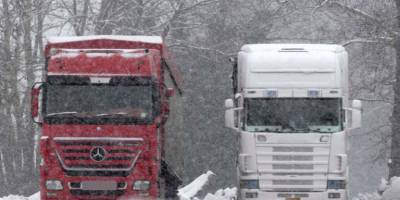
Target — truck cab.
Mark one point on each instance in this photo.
(101, 109)
(291, 112)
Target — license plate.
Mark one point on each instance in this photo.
(295, 198)
(99, 185)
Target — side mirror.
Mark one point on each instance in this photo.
(170, 92)
(228, 103)
(35, 94)
(356, 114)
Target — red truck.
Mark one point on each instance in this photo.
(102, 109)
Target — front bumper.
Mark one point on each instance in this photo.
(248, 194)
(121, 193)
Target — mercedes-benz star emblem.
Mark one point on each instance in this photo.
(98, 154)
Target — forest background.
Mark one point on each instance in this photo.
(202, 35)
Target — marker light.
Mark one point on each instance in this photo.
(313, 93)
(271, 93)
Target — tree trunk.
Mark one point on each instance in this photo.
(103, 26)
(394, 165)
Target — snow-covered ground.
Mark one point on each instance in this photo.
(188, 192)
(16, 197)
(390, 191)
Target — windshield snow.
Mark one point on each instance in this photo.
(293, 115)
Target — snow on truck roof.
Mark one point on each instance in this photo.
(136, 38)
(250, 48)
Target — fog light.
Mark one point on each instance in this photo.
(54, 185)
(251, 195)
(141, 185)
(334, 195)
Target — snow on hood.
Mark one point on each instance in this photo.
(135, 38)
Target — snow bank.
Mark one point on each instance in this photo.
(393, 191)
(15, 197)
(226, 194)
(390, 191)
(189, 192)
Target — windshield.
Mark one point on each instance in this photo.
(293, 115)
(99, 103)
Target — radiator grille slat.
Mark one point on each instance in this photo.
(294, 167)
(116, 154)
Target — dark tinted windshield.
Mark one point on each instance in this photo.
(98, 103)
(294, 115)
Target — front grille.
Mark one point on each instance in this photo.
(299, 195)
(292, 167)
(98, 156)
(98, 173)
(292, 158)
(292, 182)
(99, 166)
(293, 149)
(97, 192)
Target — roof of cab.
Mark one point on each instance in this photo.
(249, 48)
(135, 38)
(105, 42)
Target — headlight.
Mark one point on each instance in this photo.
(336, 184)
(249, 184)
(141, 185)
(54, 185)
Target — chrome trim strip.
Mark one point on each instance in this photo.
(97, 169)
(97, 139)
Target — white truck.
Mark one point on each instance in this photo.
(292, 113)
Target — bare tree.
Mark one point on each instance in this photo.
(380, 26)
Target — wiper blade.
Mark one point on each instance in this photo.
(319, 131)
(62, 113)
(111, 114)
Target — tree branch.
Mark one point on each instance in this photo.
(387, 41)
(377, 22)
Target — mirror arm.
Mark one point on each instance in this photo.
(236, 109)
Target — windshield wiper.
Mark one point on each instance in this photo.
(319, 131)
(62, 113)
(272, 130)
(111, 114)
